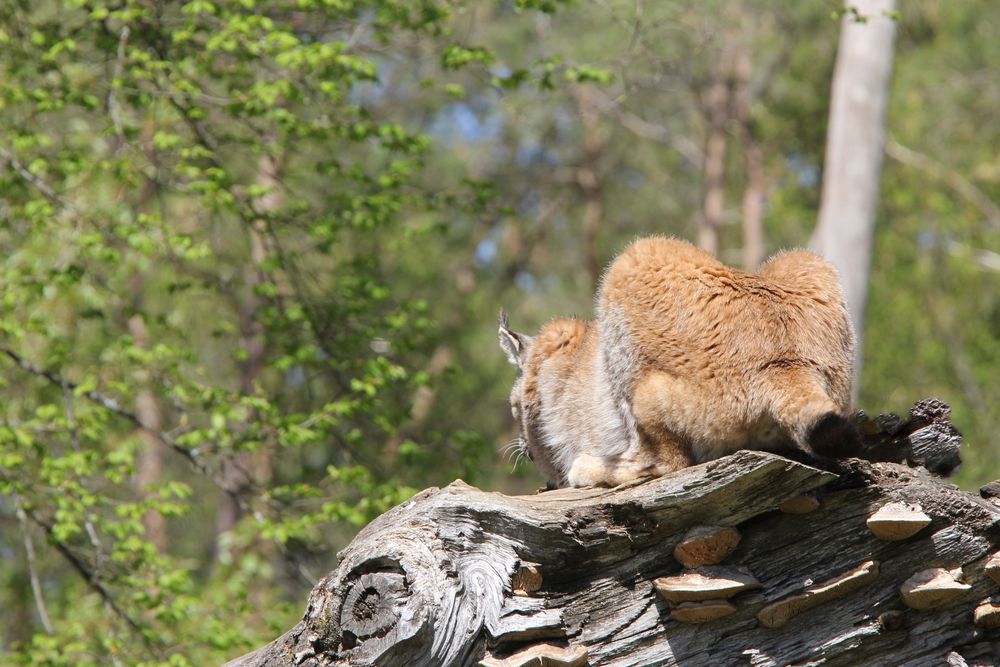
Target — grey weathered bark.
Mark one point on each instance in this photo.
(854, 150)
(458, 576)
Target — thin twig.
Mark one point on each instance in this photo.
(90, 578)
(965, 188)
(116, 82)
(74, 436)
(106, 402)
(38, 183)
(645, 129)
(36, 586)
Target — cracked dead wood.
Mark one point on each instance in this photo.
(459, 576)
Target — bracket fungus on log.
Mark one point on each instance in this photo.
(803, 504)
(778, 613)
(706, 545)
(541, 655)
(527, 580)
(435, 583)
(706, 583)
(933, 588)
(701, 612)
(895, 521)
(987, 615)
(992, 567)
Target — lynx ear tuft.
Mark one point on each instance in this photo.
(513, 344)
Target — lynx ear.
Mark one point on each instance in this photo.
(512, 343)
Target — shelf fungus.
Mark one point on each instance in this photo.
(987, 615)
(705, 583)
(992, 567)
(541, 655)
(527, 580)
(706, 545)
(779, 613)
(933, 588)
(897, 521)
(802, 504)
(701, 612)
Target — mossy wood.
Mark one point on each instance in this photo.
(435, 581)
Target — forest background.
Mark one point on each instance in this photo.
(254, 250)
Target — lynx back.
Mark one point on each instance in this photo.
(687, 360)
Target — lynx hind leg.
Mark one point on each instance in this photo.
(816, 422)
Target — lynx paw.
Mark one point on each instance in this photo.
(590, 470)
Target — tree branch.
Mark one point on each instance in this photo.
(107, 403)
(36, 586)
(963, 187)
(91, 579)
(36, 182)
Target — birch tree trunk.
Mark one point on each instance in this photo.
(457, 576)
(854, 150)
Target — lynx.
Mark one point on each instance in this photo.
(687, 360)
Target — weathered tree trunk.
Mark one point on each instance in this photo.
(458, 576)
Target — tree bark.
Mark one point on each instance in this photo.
(854, 149)
(149, 459)
(753, 165)
(251, 468)
(589, 179)
(458, 576)
(716, 106)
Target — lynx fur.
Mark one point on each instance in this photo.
(687, 360)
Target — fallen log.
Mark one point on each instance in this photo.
(459, 576)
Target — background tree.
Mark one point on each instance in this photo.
(855, 143)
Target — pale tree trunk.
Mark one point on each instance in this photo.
(249, 469)
(753, 203)
(753, 165)
(588, 177)
(149, 460)
(854, 150)
(716, 107)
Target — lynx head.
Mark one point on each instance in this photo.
(525, 400)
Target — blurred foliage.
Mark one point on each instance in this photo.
(254, 252)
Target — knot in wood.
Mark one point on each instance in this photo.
(370, 607)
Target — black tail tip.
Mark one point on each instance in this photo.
(834, 436)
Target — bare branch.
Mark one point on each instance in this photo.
(107, 403)
(645, 129)
(36, 586)
(36, 182)
(116, 82)
(954, 180)
(90, 578)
